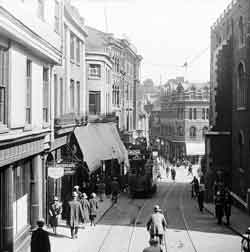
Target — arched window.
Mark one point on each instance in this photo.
(192, 132)
(204, 131)
(241, 31)
(180, 131)
(242, 86)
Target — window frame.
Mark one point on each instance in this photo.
(57, 17)
(28, 104)
(72, 95)
(4, 87)
(94, 72)
(45, 95)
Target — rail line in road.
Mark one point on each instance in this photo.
(185, 221)
(131, 238)
(158, 202)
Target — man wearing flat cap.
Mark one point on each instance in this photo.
(40, 238)
(157, 224)
(75, 215)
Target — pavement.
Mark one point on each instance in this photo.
(63, 242)
(239, 220)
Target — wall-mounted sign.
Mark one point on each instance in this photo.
(55, 172)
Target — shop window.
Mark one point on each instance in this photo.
(21, 199)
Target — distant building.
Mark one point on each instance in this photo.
(228, 140)
(120, 92)
(184, 119)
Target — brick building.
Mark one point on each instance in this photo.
(227, 143)
(184, 119)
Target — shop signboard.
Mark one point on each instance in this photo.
(55, 172)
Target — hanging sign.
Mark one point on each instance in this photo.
(55, 172)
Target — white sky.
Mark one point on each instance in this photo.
(165, 32)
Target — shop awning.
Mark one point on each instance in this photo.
(100, 141)
(194, 149)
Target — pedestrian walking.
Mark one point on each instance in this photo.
(115, 188)
(190, 170)
(108, 182)
(227, 205)
(40, 238)
(157, 224)
(85, 207)
(219, 206)
(173, 173)
(167, 171)
(195, 187)
(154, 246)
(93, 206)
(79, 194)
(101, 189)
(55, 212)
(75, 215)
(200, 197)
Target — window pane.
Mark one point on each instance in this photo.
(61, 96)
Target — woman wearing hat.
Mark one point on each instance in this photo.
(55, 212)
(93, 203)
(85, 207)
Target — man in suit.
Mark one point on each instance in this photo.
(157, 224)
(75, 215)
(40, 238)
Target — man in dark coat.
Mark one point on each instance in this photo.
(227, 205)
(55, 211)
(219, 211)
(157, 224)
(195, 187)
(115, 188)
(40, 239)
(75, 215)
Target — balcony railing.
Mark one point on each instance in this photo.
(70, 119)
(110, 117)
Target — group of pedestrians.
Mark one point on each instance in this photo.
(223, 202)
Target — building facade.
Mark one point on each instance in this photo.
(184, 119)
(125, 74)
(69, 104)
(229, 121)
(26, 121)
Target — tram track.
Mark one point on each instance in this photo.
(185, 221)
(134, 221)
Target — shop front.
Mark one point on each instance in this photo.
(21, 189)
